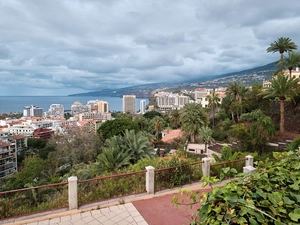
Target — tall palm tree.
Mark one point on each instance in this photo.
(213, 104)
(291, 61)
(283, 88)
(233, 90)
(192, 117)
(238, 92)
(205, 135)
(175, 119)
(158, 123)
(281, 45)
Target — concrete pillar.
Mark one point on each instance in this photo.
(150, 180)
(206, 166)
(73, 195)
(248, 168)
(249, 160)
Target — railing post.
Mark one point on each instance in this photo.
(206, 166)
(249, 164)
(150, 180)
(73, 198)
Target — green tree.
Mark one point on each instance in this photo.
(117, 126)
(76, 145)
(151, 114)
(261, 128)
(282, 88)
(111, 160)
(291, 61)
(192, 117)
(158, 125)
(205, 135)
(281, 45)
(137, 145)
(175, 119)
(213, 104)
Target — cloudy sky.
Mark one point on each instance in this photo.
(61, 47)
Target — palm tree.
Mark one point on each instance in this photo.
(137, 145)
(233, 90)
(175, 119)
(281, 45)
(192, 117)
(213, 104)
(238, 92)
(283, 88)
(112, 160)
(158, 124)
(291, 61)
(205, 135)
(261, 128)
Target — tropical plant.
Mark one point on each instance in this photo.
(213, 104)
(158, 124)
(270, 195)
(192, 117)
(281, 45)
(291, 61)
(205, 135)
(282, 88)
(261, 128)
(175, 119)
(111, 160)
(137, 145)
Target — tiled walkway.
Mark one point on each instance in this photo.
(125, 214)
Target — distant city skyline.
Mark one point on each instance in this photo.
(61, 47)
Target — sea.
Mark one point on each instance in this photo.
(15, 104)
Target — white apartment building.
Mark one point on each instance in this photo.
(95, 116)
(129, 104)
(78, 107)
(142, 106)
(171, 101)
(57, 111)
(32, 110)
(27, 128)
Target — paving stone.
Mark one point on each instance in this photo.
(44, 222)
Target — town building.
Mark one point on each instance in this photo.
(44, 133)
(169, 101)
(94, 115)
(142, 106)
(78, 107)
(56, 111)
(129, 104)
(32, 111)
(10, 146)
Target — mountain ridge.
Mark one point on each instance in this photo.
(248, 76)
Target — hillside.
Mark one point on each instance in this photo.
(248, 77)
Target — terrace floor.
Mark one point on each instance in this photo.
(144, 209)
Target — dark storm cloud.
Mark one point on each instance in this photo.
(60, 47)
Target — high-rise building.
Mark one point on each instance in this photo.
(57, 111)
(78, 107)
(142, 106)
(32, 111)
(102, 106)
(129, 104)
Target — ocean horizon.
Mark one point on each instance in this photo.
(15, 104)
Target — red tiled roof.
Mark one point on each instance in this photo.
(16, 137)
(170, 135)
